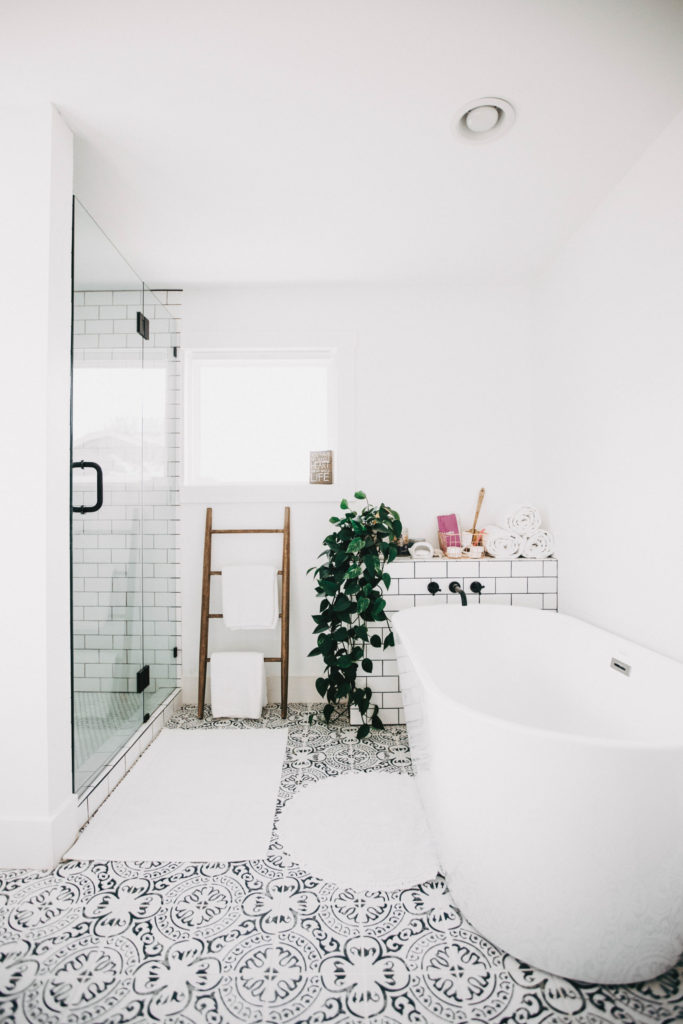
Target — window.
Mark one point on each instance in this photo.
(254, 417)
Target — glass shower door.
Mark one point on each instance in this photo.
(107, 461)
(160, 477)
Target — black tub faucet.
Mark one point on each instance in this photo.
(433, 587)
(455, 588)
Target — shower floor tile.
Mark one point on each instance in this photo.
(103, 724)
(265, 942)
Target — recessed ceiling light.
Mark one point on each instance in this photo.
(484, 119)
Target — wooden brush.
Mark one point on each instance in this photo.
(473, 530)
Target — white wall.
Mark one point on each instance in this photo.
(37, 808)
(609, 318)
(442, 408)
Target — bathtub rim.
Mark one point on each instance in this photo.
(572, 738)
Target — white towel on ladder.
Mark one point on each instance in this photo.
(250, 599)
(238, 684)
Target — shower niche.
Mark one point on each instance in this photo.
(124, 518)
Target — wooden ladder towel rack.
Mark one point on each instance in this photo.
(208, 572)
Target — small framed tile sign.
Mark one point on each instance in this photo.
(321, 470)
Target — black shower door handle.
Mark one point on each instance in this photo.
(100, 487)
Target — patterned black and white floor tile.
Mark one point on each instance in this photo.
(264, 942)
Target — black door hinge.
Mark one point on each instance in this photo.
(175, 652)
(175, 351)
(143, 678)
(143, 326)
(145, 718)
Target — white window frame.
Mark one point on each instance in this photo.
(341, 373)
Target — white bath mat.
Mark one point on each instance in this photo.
(366, 831)
(195, 795)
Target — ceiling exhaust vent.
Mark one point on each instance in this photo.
(484, 119)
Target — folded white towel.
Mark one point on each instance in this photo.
(525, 520)
(238, 684)
(540, 544)
(501, 543)
(250, 598)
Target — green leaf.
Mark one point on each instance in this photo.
(386, 579)
(376, 721)
(364, 698)
(334, 519)
(321, 686)
(361, 495)
(316, 650)
(363, 731)
(376, 640)
(363, 604)
(366, 665)
(344, 503)
(389, 640)
(327, 711)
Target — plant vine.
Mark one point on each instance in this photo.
(349, 582)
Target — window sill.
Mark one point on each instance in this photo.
(282, 494)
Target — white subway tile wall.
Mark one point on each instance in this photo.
(126, 556)
(518, 582)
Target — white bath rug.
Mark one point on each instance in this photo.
(365, 831)
(194, 795)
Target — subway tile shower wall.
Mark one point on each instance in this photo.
(126, 556)
(521, 582)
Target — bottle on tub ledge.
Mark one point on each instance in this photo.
(403, 547)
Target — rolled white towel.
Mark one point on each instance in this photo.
(502, 543)
(525, 520)
(540, 544)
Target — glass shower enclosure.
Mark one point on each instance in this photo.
(124, 521)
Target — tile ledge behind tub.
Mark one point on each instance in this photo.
(111, 774)
(519, 581)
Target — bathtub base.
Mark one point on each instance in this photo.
(585, 966)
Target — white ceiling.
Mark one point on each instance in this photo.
(310, 140)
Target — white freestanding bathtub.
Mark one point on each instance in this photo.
(553, 784)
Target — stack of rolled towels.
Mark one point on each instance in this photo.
(521, 537)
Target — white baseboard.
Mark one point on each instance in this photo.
(38, 843)
(301, 690)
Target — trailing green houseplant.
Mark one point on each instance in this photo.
(349, 582)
